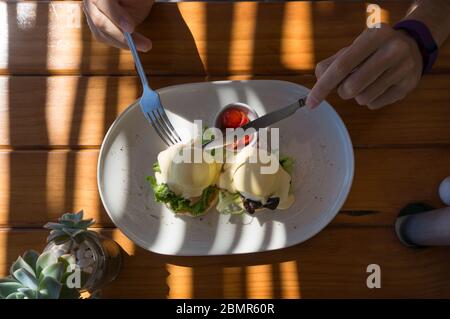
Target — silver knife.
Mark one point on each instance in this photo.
(261, 122)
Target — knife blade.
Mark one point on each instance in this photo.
(261, 122)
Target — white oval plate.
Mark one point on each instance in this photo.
(318, 140)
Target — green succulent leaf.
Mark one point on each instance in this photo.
(68, 224)
(20, 263)
(73, 232)
(80, 238)
(84, 224)
(58, 236)
(31, 257)
(78, 216)
(16, 295)
(56, 226)
(67, 260)
(7, 279)
(49, 288)
(72, 216)
(28, 292)
(7, 288)
(54, 271)
(67, 216)
(25, 278)
(61, 239)
(45, 259)
(57, 232)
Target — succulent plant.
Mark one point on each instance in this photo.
(39, 276)
(71, 227)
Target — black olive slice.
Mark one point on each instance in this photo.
(272, 203)
(251, 205)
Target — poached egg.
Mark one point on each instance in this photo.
(185, 178)
(245, 176)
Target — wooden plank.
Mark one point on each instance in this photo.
(338, 271)
(421, 118)
(38, 186)
(189, 38)
(76, 111)
(66, 110)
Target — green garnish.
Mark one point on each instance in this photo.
(179, 204)
(287, 163)
(156, 167)
(230, 203)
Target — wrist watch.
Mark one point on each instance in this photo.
(422, 35)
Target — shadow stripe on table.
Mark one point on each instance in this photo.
(188, 38)
(330, 265)
(385, 180)
(419, 120)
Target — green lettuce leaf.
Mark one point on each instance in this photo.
(156, 167)
(230, 203)
(287, 163)
(179, 204)
(207, 136)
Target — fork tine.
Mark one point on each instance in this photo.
(163, 129)
(156, 128)
(168, 123)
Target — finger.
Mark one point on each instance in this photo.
(323, 65)
(392, 95)
(112, 34)
(116, 13)
(363, 46)
(377, 88)
(367, 73)
(105, 38)
(142, 43)
(98, 34)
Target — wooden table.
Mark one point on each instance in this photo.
(60, 90)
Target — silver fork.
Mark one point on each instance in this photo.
(150, 102)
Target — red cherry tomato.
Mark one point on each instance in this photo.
(244, 120)
(234, 118)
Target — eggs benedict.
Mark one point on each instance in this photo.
(184, 185)
(249, 184)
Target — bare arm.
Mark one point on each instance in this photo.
(435, 14)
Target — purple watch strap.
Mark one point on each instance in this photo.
(428, 47)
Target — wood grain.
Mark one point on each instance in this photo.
(37, 186)
(330, 265)
(60, 90)
(73, 111)
(190, 38)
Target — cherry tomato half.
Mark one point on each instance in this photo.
(234, 118)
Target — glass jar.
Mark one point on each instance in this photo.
(98, 259)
